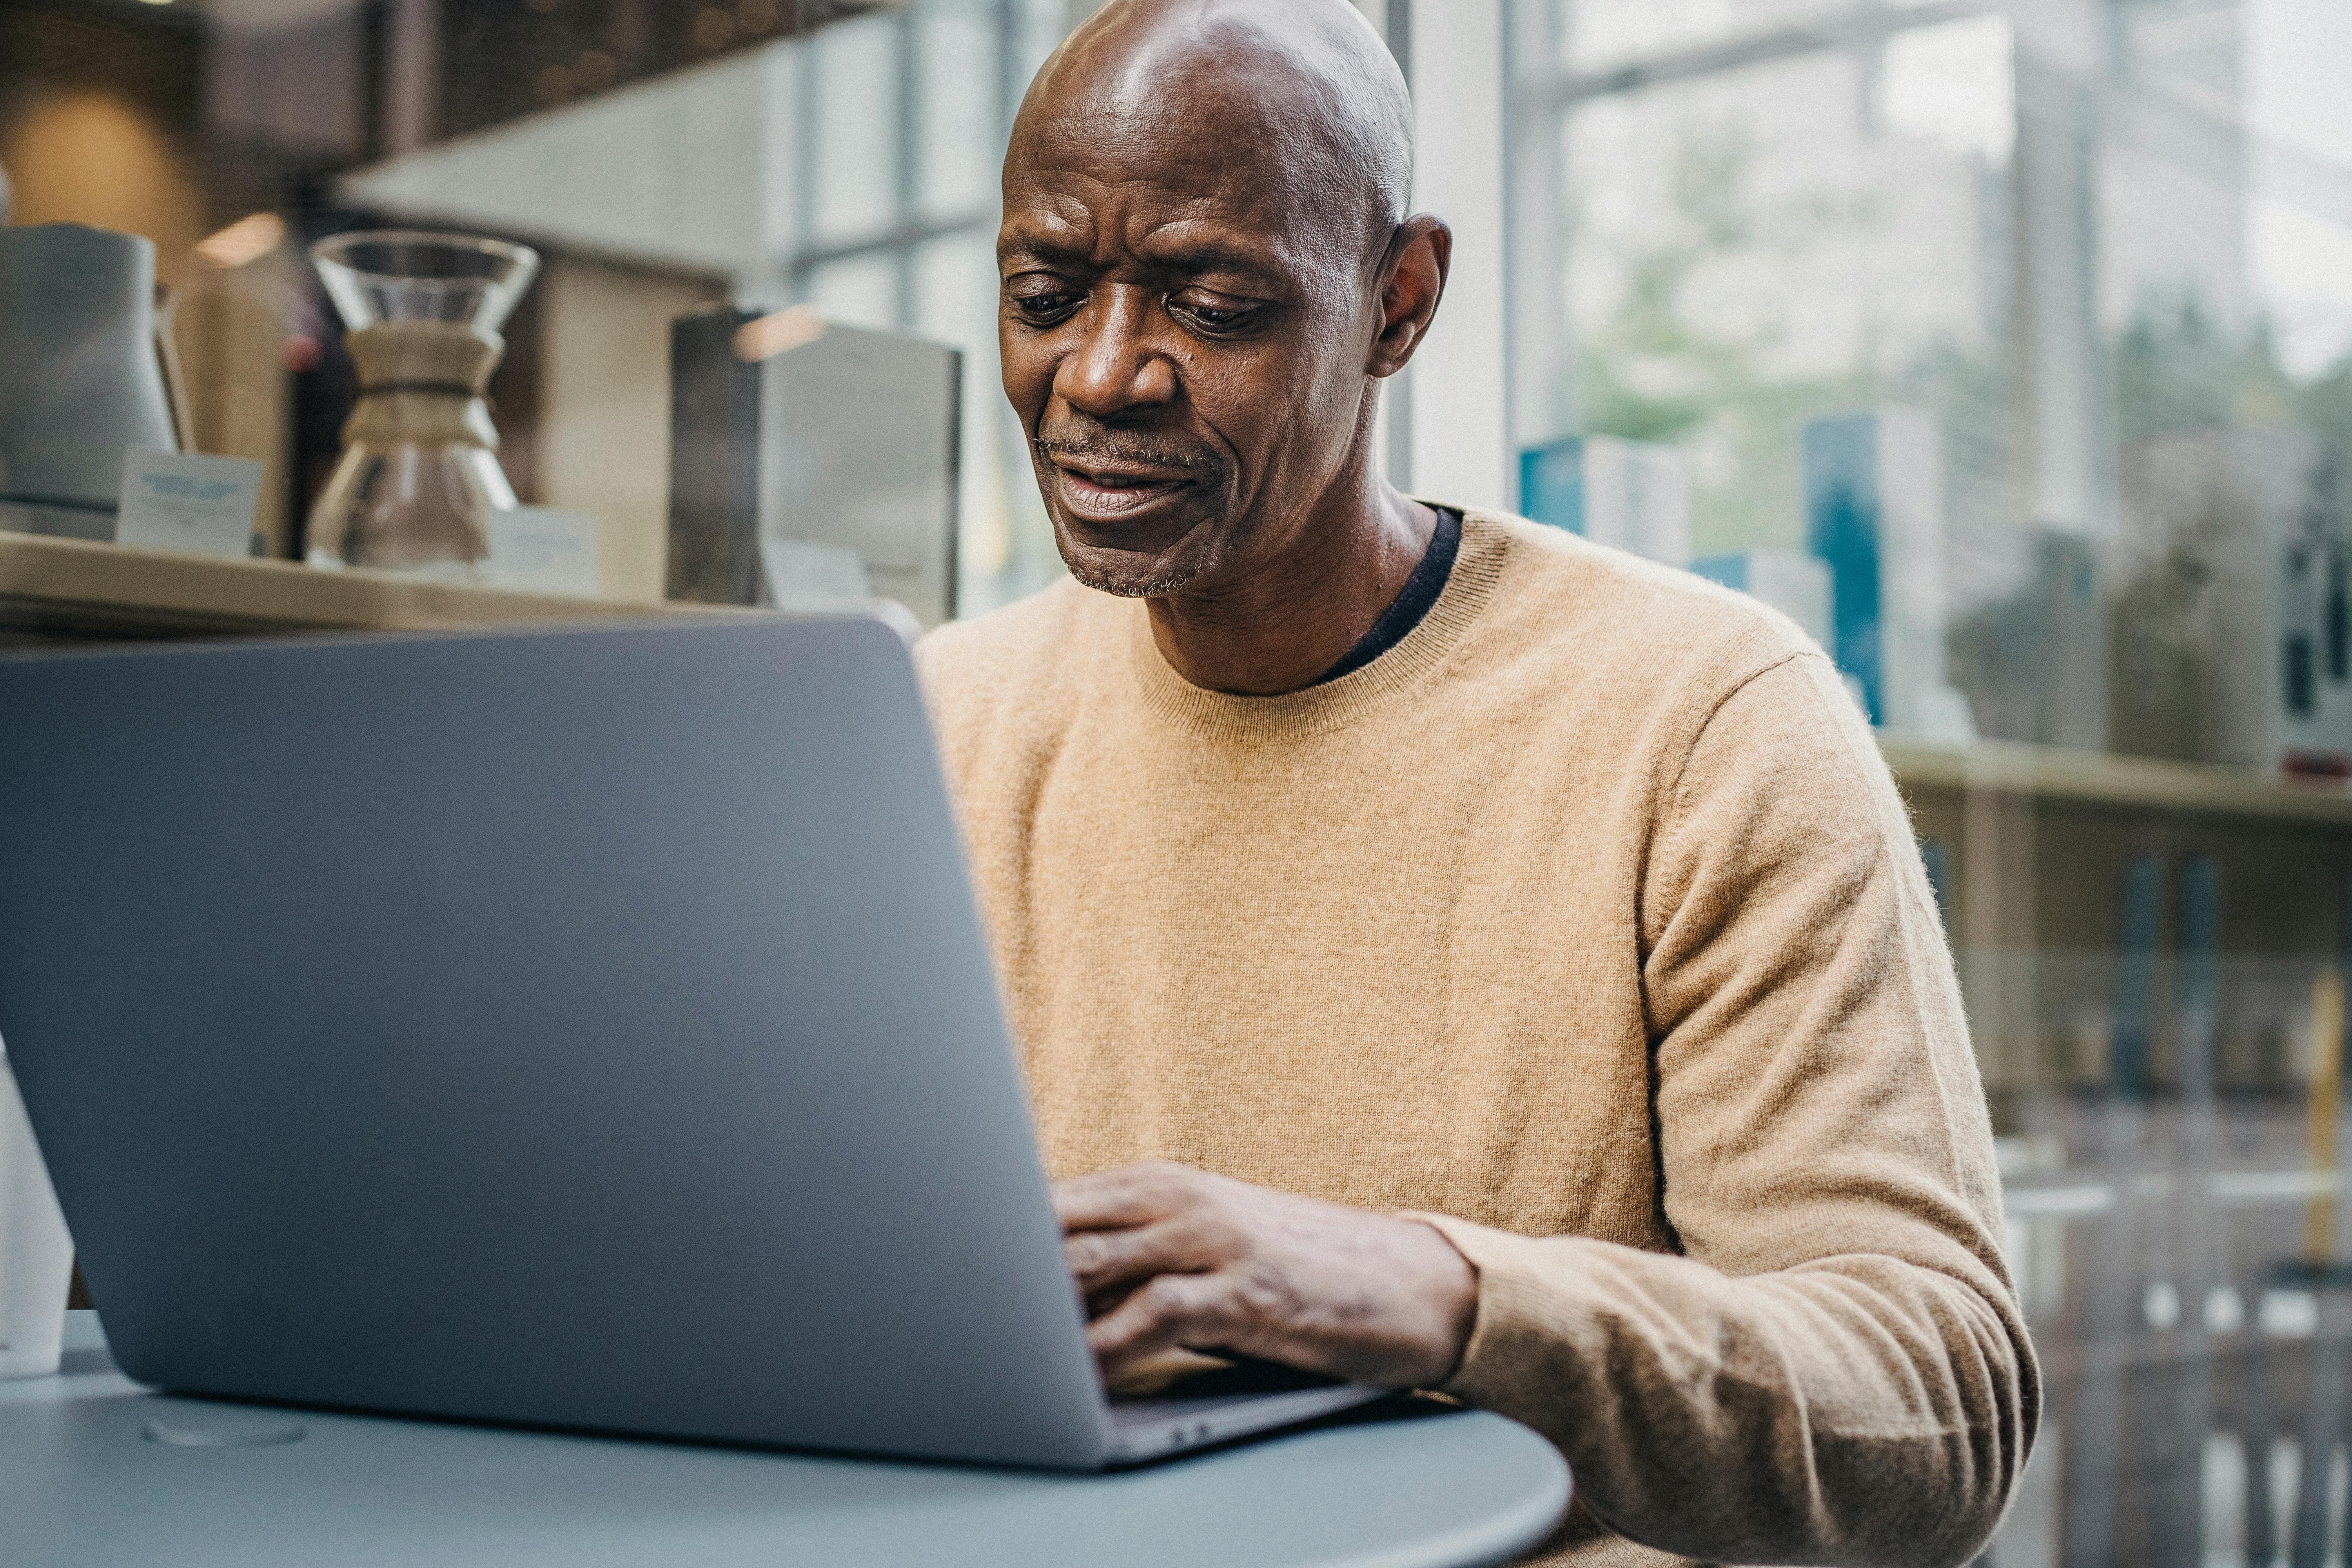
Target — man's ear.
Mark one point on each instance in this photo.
(1411, 287)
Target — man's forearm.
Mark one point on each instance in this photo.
(1861, 1410)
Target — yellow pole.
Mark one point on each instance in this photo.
(2326, 1101)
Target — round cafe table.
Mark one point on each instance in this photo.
(95, 1469)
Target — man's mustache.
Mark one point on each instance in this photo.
(1098, 448)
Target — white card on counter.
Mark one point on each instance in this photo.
(187, 502)
(542, 550)
(804, 576)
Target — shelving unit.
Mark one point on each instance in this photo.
(2037, 840)
(63, 591)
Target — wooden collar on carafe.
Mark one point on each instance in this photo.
(423, 381)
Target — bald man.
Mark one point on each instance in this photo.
(1446, 953)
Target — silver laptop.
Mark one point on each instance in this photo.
(583, 1028)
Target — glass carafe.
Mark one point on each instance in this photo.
(419, 476)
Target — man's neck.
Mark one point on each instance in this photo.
(1281, 625)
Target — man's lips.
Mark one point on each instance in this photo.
(1111, 491)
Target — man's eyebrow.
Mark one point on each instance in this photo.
(1191, 257)
(1214, 256)
(1033, 246)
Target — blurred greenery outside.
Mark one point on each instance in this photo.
(1650, 372)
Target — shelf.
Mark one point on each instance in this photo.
(70, 589)
(2100, 779)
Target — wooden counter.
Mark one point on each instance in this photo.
(2104, 779)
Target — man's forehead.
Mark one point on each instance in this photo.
(1075, 170)
(1211, 143)
(1172, 189)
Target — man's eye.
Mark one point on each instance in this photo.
(1213, 315)
(1046, 308)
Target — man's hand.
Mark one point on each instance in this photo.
(1170, 1256)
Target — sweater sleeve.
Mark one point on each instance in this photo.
(1836, 1370)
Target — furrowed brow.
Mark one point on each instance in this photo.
(1195, 258)
(1045, 251)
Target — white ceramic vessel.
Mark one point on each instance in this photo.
(79, 377)
(35, 1252)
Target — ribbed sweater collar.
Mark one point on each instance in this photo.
(1335, 704)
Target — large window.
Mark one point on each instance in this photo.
(2010, 346)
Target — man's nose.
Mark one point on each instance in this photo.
(1116, 365)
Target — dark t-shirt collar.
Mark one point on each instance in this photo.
(1412, 601)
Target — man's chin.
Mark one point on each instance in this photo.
(1132, 584)
(1135, 573)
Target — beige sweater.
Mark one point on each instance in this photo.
(1587, 920)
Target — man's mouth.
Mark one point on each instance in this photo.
(1106, 490)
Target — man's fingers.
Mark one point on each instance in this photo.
(1102, 1259)
(1099, 1303)
(1130, 1196)
(1173, 1309)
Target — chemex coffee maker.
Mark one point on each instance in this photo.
(419, 478)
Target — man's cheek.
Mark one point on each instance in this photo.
(1028, 373)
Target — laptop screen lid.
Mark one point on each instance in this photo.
(581, 1028)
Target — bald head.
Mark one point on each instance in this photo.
(1305, 86)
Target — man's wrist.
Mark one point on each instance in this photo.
(1450, 1283)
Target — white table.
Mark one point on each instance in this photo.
(95, 1469)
